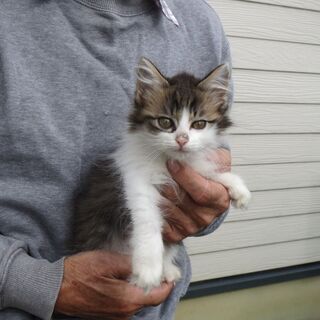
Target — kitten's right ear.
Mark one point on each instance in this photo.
(217, 79)
(217, 84)
(149, 79)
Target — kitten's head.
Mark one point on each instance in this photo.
(180, 115)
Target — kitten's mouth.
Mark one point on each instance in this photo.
(181, 150)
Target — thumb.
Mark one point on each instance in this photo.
(122, 266)
(117, 264)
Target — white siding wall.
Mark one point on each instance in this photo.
(275, 140)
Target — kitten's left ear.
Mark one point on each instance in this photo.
(217, 83)
(148, 73)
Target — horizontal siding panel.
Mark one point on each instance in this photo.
(255, 20)
(276, 49)
(264, 149)
(280, 176)
(242, 234)
(275, 118)
(240, 261)
(266, 204)
(267, 86)
(302, 4)
(274, 55)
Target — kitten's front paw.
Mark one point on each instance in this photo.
(171, 272)
(147, 276)
(240, 196)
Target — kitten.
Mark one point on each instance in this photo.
(180, 118)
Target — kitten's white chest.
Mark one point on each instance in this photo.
(203, 165)
(159, 174)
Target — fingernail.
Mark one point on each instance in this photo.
(174, 166)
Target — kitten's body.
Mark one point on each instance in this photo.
(180, 118)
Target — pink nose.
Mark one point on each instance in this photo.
(182, 140)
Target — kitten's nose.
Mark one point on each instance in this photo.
(182, 139)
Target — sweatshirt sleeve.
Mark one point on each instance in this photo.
(225, 58)
(26, 283)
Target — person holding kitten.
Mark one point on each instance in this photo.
(67, 73)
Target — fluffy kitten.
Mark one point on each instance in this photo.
(178, 118)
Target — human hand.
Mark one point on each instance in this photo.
(94, 286)
(197, 203)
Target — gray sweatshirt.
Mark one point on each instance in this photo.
(66, 85)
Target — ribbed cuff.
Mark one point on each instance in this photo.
(213, 226)
(32, 285)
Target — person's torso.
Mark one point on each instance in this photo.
(67, 79)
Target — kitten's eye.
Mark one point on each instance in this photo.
(165, 123)
(201, 124)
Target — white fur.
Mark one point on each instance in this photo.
(142, 160)
(170, 271)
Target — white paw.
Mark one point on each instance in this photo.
(240, 196)
(147, 276)
(171, 272)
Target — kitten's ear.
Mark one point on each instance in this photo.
(217, 79)
(217, 83)
(149, 79)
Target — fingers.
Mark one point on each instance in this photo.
(195, 185)
(204, 192)
(90, 288)
(186, 219)
(122, 266)
(155, 297)
(222, 158)
(129, 299)
(159, 295)
(112, 262)
(200, 215)
(177, 224)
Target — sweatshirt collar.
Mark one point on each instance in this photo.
(130, 7)
(122, 7)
